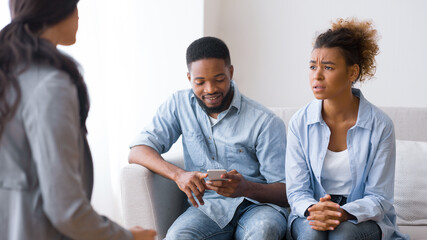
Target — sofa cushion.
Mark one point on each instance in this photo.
(415, 232)
(410, 188)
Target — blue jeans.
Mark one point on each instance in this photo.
(346, 230)
(251, 221)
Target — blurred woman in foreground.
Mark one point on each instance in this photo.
(46, 173)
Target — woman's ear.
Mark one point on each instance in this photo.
(354, 72)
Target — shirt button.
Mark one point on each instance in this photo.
(213, 158)
(240, 150)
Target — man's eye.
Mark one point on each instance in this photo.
(198, 83)
(328, 68)
(312, 67)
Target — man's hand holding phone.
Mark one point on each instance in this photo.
(215, 174)
(229, 184)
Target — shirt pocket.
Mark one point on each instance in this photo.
(197, 152)
(241, 159)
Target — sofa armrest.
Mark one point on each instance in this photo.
(149, 200)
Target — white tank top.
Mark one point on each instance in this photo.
(336, 175)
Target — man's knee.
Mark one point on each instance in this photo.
(186, 226)
(264, 230)
(270, 229)
(180, 234)
(194, 224)
(180, 230)
(269, 224)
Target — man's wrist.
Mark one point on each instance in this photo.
(177, 173)
(249, 189)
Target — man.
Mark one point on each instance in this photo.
(221, 129)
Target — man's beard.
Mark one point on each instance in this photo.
(221, 107)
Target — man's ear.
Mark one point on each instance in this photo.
(189, 76)
(354, 72)
(231, 69)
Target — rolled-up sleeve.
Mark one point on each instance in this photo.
(164, 129)
(51, 119)
(271, 150)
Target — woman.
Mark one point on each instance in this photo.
(341, 149)
(46, 170)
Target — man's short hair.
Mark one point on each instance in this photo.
(207, 47)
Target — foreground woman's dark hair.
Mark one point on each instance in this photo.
(20, 45)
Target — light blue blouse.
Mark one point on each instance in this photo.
(372, 154)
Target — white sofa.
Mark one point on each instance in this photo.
(151, 201)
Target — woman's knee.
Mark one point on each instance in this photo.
(367, 230)
(301, 230)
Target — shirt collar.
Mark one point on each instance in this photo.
(237, 98)
(364, 114)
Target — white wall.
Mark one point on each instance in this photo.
(133, 56)
(4, 13)
(270, 43)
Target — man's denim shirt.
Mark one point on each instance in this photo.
(247, 137)
(372, 154)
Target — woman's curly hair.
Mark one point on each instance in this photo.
(358, 42)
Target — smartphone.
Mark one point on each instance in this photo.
(215, 174)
